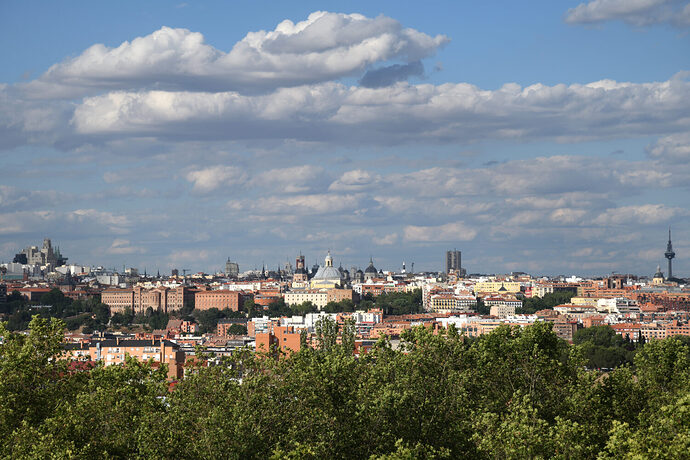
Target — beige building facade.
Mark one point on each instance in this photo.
(494, 287)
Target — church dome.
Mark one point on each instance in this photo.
(328, 272)
(658, 273)
(371, 269)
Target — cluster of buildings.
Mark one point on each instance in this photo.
(636, 307)
(44, 256)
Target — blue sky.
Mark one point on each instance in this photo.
(549, 137)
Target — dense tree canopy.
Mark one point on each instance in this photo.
(603, 348)
(515, 393)
(534, 304)
(90, 313)
(400, 303)
(208, 319)
(237, 329)
(395, 303)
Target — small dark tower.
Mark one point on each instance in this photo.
(669, 254)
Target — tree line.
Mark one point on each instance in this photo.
(89, 314)
(514, 393)
(395, 303)
(532, 305)
(93, 315)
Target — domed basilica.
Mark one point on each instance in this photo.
(327, 276)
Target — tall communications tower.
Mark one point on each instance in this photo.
(669, 254)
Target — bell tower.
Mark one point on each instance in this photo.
(300, 275)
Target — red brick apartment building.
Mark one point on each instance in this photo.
(630, 330)
(180, 326)
(220, 299)
(594, 320)
(139, 299)
(224, 325)
(284, 338)
(603, 293)
(265, 299)
(675, 329)
(338, 295)
(665, 300)
(565, 329)
(118, 299)
(33, 294)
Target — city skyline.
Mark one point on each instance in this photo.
(32, 256)
(550, 138)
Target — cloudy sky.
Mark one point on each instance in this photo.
(550, 136)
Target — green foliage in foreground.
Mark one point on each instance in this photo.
(515, 393)
(603, 348)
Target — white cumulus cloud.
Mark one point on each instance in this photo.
(209, 179)
(298, 205)
(122, 246)
(640, 214)
(355, 180)
(635, 12)
(386, 240)
(325, 46)
(295, 179)
(453, 231)
(402, 113)
(673, 148)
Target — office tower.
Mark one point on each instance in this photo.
(452, 261)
